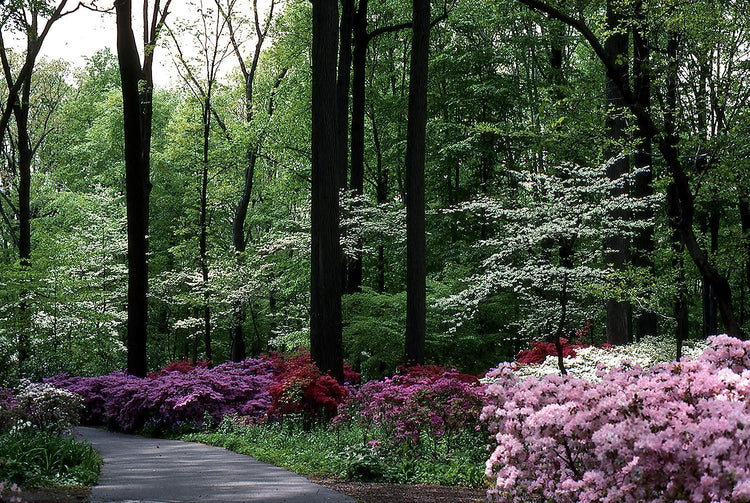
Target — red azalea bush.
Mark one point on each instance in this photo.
(422, 399)
(183, 366)
(301, 388)
(676, 432)
(541, 350)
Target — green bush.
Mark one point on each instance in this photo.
(33, 458)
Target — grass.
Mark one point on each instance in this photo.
(37, 459)
(349, 453)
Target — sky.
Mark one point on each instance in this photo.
(82, 33)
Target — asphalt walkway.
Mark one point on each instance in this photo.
(146, 470)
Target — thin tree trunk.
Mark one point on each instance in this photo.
(202, 241)
(415, 202)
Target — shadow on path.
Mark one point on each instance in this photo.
(146, 470)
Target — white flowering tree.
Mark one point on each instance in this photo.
(547, 251)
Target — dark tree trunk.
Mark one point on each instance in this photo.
(673, 203)
(381, 196)
(137, 187)
(619, 319)
(415, 160)
(643, 242)
(202, 239)
(745, 219)
(326, 274)
(342, 88)
(357, 174)
(21, 113)
(709, 224)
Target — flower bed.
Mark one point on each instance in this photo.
(674, 432)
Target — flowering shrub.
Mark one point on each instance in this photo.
(13, 491)
(586, 361)
(46, 407)
(8, 405)
(301, 387)
(674, 433)
(39, 406)
(425, 398)
(183, 366)
(175, 397)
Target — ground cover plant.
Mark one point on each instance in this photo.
(675, 432)
(33, 450)
(419, 427)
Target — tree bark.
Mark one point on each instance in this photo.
(325, 258)
(617, 245)
(137, 187)
(643, 242)
(415, 202)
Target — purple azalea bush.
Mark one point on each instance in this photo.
(404, 406)
(677, 432)
(175, 397)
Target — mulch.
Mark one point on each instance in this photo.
(363, 492)
(52, 495)
(373, 492)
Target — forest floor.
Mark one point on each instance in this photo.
(363, 492)
(373, 492)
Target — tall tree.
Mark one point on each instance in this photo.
(416, 310)
(326, 271)
(238, 349)
(137, 94)
(208, 38)
(25, 17)
(619, 312)
(668, 149)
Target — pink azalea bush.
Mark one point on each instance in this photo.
(176, 396)
(677, 432)
(423, 399)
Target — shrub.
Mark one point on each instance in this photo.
(8, 405)
(48, 408)
(426, 399)
(301, 388)
(39, 459)
(674, 433)
(175, 397)
(586, 361)
(13, 491)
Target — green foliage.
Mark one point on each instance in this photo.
(350, 454)
(374, 332)
(38, 459)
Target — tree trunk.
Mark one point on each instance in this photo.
(619, 321)
(137, 188)
(381, 196)
(415, 160)
(745, 219)
(325, 258)
(357, 174)
(643, 242)
(202, 240)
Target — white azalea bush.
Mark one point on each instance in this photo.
(591, 362)
(44, 407)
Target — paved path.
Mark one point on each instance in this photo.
(138, 469)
